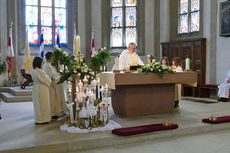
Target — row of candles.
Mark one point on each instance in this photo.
(98, 91)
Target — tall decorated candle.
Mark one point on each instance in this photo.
(78, 42)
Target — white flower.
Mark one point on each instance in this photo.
(75, 58)
(95, 53)
(65, 53)
(151, 69)
(104, 48)
(79, 74)
(87, 76)
(81, 60)
(85, 70)
(74, 71)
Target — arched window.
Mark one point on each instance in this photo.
(189, 16)
(46, 16)
(123, 23)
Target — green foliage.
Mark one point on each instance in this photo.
(71, 65)
(99, 59)
(2, 66)
(156, 67)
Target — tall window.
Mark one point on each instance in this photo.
(46, 16)
(123, 22)
(189, 16)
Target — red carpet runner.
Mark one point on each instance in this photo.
(216, 120)
(144, 129)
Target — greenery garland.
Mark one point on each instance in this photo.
(99, 59)
(155, 67)
(71, 66)
(2, 66)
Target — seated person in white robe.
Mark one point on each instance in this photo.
(56, 92)
(41, 97)
(129, 58)
(224, 87)
(176, 67)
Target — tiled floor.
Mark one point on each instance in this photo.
(17, 130)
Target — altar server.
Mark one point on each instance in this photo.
(129, 57)
(56, 90)
(150, 58)
(224, 87)
(177, 68)
(41, 97)
(165, 61)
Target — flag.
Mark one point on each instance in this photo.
(27, 52)
(42, 48)
(58, 45)
(92, 45)
(74, 41)
(10, 50)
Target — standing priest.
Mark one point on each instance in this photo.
(129, 57)
(224, 87)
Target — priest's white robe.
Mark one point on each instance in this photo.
(125, 61)
(224, 87)
(178, 86)
(41, 97)
(56, 91)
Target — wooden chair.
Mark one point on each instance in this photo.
(28, 78)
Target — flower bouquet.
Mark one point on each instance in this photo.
(155, 67)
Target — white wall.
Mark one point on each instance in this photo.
(223, 52)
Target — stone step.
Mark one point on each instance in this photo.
(17, 91)
(8, 97)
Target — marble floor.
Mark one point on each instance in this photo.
(19, 134)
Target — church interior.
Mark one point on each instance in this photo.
(88, 76)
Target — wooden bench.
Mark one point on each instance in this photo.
(204, 89)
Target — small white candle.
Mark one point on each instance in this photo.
(106, 90)
(187, 64)
(94, 82)
(98, 87)
(80, 84)
(102, 92)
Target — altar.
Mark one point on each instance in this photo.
(136, 94)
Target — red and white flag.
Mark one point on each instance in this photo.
(10, 50)
(92, 46)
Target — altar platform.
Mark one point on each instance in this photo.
(19, 134)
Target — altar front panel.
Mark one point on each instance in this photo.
(137, 100)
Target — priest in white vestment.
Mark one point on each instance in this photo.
(224, 87)
(41, 97)
(56, 90)
(129, 57)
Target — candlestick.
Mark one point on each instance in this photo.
(80, 84)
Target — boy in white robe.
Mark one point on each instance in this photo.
(56, 92)
(129, 57)
(41, 97)
(224, 87)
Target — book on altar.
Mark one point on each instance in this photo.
(134, 67)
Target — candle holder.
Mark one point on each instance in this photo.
(212, 118)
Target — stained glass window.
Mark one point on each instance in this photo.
(52, 14)
(189, 17)
(123, 22)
